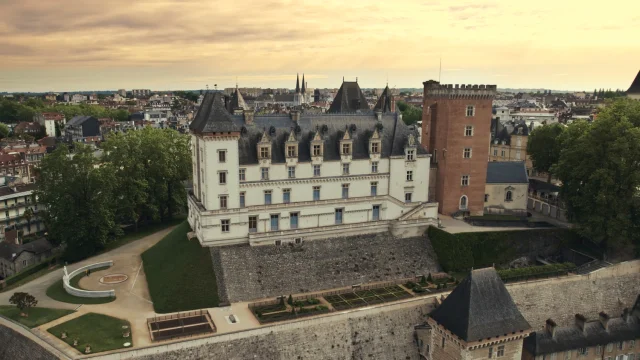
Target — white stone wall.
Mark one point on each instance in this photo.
(496, 194)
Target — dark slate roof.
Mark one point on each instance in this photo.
(8, 190)
(37, 247)
(212, 116)
(543, 186)
(237, 101)
(384, 102)
(349, 99)
(593, 334)
(507, 172)
(635, 85)
(284, 98)
(79, 120)
(480, 308)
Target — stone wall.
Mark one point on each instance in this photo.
(14, 346)
(249, 273)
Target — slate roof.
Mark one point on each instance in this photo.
(78, 120)
(349, 99)
(284, 98)
(8, 190)
(384, 102)
(480, 308)
(237, 101)
(37, 247)
(635, 85)
(593, 334)
(212, 116)
(507, 172)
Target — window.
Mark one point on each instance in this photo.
(374, 167)
(407, 197)
(298, 241)
(24, 262)
(267, 197)
(409, 175)
(253, 224)
(222, 156)
(264, 173)
(411, 155)
(374, 189)
(471, 110)
(292, 172)
(375, 214)
(317, 150)
(466, 153)
(490, 352)
(264, 152)
(517, 154)
(241, 174)
(222, 176)
(242, 199)
(463, 202)
(291, 151)
(278, 242)
(519, 140)
(223, 201)
(345, 191)
(508, 196)
(495, 152)
(345, 169)
(316, 170)
(275, 221)
(468, 130)
(632, 343)
(500, 351)
(339, 216)
(502, 153)
(598, 349)
(609, 347)
(582, 351)
(567, 355)
(224, 224)
(620, 345)
(346, 149)
(375, 147)
(486, 197)
(631, 357)
(293, 220)
(316, 193)
(286, 196)
(465, 180)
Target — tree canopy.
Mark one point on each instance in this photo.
(4, 131)
(410, 113)
(543, 147)
(12, 111)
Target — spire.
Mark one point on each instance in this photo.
(304, 87)
(297, 83)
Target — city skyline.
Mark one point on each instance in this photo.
(187, 44)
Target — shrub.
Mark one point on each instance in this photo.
(313, 301)
(429, 278)
(321, 308)
(536, 271)
(290, 300)
(418, 289)
(410, 285)
(423, 280)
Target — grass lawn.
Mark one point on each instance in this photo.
(101, 332)
(30, 278)
(142, 232)
(180, 274)
(498, 217)
(37, 315)
(56, 292)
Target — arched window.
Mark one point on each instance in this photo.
(463, 202)
(508, 196)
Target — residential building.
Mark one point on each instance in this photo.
(509, 142)
(16, 257)
(634, 90)
(268, 179)
(478, 320)
(30, 128)
(140, 92)
(48, 120)
(30, 154)
(456, 123)
(81, 127)
(507, 188)
(122, 92)
(50, 97)
(14, 164)
(78, 98)
(15, 199)
(607, 338)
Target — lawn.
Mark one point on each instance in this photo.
(37, 315)
(30, 278)
(57, 292)
(101, 332)
(179, 273)
(142, 232)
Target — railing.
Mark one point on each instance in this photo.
(550, 201)
(66, 278)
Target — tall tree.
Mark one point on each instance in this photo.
(600, 174)
(78, 195)
(4, 131)
(543, 147)
(27, 215)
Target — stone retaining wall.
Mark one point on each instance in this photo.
(66, 278)
(248, 273)
(15, 346)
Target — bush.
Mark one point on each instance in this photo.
(430, 278)
(290, 300)
(536, 271)
(423, 280)
(410, 285)
(30, 270)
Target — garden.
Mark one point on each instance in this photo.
(429, 284)
(57, 292)
(92, 333)
(34, 316)
(359, 298)
(280, 310)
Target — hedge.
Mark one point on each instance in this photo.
(463, 251)
(535, 271)
(30, 270)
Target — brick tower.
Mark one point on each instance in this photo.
(456, 130)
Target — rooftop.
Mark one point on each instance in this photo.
(507, 172)
(635, 85)
(37, 247)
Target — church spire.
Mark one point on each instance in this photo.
(297, 83)
(304, 86)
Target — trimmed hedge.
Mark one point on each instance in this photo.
(30, 270)
(535, 271)
(463, 251)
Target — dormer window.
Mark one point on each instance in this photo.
(375, 147)
(264, 148)
(264, 152)
(411, 154)
(291, 151)
(374, 143)
(346, 149)
(317, 150)
(292, 146)
(346, 146)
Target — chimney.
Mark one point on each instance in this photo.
(393, 103)
(379, 115)
(295, 116)
(580, 320)
(550, 326)
(604, 319)
(248, 117)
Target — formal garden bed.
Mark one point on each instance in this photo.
(359, 298)
(36, 316)
(429, 284)
(279, 310)
(96, 331)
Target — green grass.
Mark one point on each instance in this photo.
(142, 232)
(29, 278)
(101, 332)
(497, 217)
(179, 273)
(37, 316)
(57, 292)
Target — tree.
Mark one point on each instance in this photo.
(23, 301)
(58, 130)
(27, 215)
(600, 175)
(79, 199)
(4, 131)
(410, 113)
(543, 147)
(290, 300)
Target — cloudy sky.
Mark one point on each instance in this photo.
(65, 45)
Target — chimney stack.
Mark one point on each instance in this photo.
(295, 116)
(604, 319)
(580, 320)
(550, 327)
(248, 117)
(379, 115)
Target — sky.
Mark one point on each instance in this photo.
(67, 45)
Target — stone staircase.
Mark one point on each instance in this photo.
(590, 267)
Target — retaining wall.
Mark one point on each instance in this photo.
(86, 293)
(16, 346)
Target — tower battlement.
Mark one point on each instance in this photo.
(435, 89)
